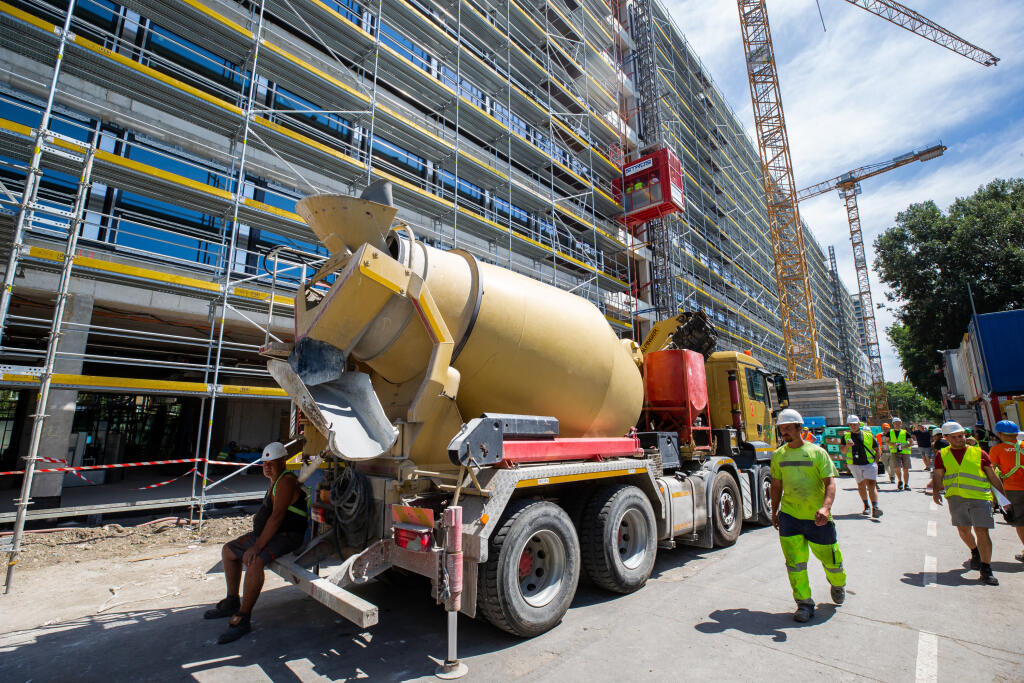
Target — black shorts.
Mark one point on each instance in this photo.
(822, 535)
(278, 545)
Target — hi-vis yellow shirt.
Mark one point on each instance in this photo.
(803, 472)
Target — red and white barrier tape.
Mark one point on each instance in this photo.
(65, 462)
(123, 464)
(165, 483)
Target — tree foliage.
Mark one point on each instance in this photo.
(927, 260)
(911, 405)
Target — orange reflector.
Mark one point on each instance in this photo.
(483, 518)
(748, 353)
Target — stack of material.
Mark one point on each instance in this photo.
(818, 397)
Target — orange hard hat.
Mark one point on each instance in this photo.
(885, 425)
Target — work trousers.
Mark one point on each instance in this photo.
(799, 538)
(890, 468)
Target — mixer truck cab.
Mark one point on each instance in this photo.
(492, 433)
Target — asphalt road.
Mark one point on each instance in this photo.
(913, 613)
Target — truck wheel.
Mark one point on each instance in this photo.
(618, 538)
(764, 490)
(726, 510)
(533, 567)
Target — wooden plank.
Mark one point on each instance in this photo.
(349, 605)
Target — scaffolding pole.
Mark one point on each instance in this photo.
(46, 377)
(232, 245)
(32, 179)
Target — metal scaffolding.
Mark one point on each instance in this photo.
(494, 120)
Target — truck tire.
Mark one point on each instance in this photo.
(618, 538)
(532, 571)
(726, 510)
(764, 490)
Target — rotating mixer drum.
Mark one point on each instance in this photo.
(508, 343)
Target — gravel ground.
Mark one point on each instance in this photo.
(130, 544)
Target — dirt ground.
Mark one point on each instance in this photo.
(164, 538)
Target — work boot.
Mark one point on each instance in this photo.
(224, 608)
(237, 627)
(975, 559)
(877, 513)
(986, 576)
(804, 612)
(839, 594)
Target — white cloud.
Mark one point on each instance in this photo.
(866, 91)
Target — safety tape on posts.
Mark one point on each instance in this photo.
(123, 464)
(44, 458)
(165, 483)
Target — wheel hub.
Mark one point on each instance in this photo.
(632, 538)
(541, 568)
(727, 506)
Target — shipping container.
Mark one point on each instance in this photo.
(995, 340)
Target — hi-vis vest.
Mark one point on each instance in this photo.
(899, 437)
(869, 445)
(966, 478)
(1017, 465)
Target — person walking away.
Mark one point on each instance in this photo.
(967, 475)
(278, 527)
(858, 445)
(938, 443)
(887, 451)
(899, 446)
(1008, 458)
(924, 444)
(802, 490)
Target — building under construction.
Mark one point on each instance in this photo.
(163, 144)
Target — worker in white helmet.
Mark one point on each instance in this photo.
(278, 527)
(861, 451)
(802, 490)
(968, 477)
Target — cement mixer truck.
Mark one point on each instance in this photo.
(491, 432)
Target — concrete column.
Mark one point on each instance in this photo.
(46, 488)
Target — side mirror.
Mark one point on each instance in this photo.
(781, 391)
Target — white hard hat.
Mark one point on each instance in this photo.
(274, 450)
(951, 428)
(788, 417)
(896, 419)
(852, 420)
(936, 431)
(1020, 436)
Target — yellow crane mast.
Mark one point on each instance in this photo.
(848, 185)
(796, 308)
(795, 305)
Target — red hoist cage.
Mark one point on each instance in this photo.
(653, 187)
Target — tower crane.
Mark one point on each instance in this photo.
(796, 307)
(848, 185)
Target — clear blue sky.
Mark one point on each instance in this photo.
(865, 91)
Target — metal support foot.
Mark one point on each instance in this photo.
(452, 667)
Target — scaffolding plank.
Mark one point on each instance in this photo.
(140, 386)
(128, 506)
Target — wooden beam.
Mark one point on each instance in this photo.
(349, 605)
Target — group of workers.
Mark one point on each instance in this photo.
(803, 489)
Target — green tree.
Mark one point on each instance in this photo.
(912, 405)
(927, 259)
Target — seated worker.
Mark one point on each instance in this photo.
(278, 527)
